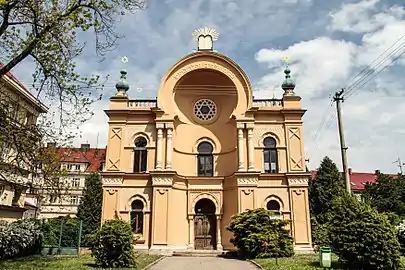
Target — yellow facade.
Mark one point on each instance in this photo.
(180, 166)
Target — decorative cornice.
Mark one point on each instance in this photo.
(112, 180)
(162, 179)
(298, 181)
(247, 180)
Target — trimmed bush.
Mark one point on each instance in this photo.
(20, 238)
(362, 237)
(112, 246)
(258, 235)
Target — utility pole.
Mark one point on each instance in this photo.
(338, 98)
(400, 164)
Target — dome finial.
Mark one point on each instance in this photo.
(122, 84)
(288, 84)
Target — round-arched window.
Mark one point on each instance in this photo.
(205, 148)
(269, 142)
(137, 216)
(273, 205)
(140, 142)
(205, 165)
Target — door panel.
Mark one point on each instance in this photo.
(204, 231)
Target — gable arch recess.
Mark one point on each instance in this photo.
(206, 196)
(275, 198)
(205, 60)
(269, 134)
(137, 135)
(146, 206)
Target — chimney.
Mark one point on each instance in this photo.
(350, 170)
(377, 172)
(51, 145)
(85, 146)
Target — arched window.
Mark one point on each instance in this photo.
(270, 155)
(140, 155)
(274, 206)
(205, 159)
(137, 216)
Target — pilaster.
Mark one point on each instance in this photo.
(159, 145)
(169, 147)
(241, 156)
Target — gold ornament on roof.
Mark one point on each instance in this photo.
(205, 38)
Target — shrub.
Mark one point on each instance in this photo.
(362, 237)
(20, 238)
(257, 234)
(50, 229)
(112, 246)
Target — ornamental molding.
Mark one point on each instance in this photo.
(204, 65)
(162, 180)
(113, 181)
(298, 181)
(248, 180)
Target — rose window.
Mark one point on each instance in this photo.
(205, 109)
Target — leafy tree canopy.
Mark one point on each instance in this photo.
(387, 194)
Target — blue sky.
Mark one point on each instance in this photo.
(327, 41)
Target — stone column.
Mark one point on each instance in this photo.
(159, 148)
(251, 149)
(241, 156)
(219, 238)
(191, 232)
(169, 148)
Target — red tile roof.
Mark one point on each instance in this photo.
(359, 179)
(12, 77)
(94, 157)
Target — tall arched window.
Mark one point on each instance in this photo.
(270, 155)
(205, 159)
(137, 216)
(140, 155)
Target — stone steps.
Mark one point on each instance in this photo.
(197, 253)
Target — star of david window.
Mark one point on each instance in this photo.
(205, 109)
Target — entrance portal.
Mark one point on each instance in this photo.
(205, 225)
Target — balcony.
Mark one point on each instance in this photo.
(263, 103)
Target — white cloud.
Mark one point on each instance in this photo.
(372, 116)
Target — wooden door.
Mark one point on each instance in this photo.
(204, 231)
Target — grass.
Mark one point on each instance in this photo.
(301, 262)
(67, 262)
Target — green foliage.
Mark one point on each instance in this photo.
(90, 207)
(387, 194)
(20, 238)
(112, 246)
(362, 237)
(51, 231)
(257, 235)
(327, 185)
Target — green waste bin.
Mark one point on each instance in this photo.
(325, 257)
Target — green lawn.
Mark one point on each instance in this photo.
(66, 262)
(302, 261)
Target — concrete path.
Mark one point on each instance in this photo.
(202, 263)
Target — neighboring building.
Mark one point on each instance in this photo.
(22, 108)
(358, 180)
(180, 166)
(79, 163)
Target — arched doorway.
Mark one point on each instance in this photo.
(205, 225)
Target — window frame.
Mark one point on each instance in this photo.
(137, 213)
(268, 150)
(206, 156)
(140, 161)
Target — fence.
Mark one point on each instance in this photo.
(62, 235)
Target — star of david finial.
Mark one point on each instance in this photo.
(286, 60)
(124, 59)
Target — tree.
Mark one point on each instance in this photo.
(257, 234)
(89, 209)
(387, 194)
(327, 185)
(361, 237)
(49, 33)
